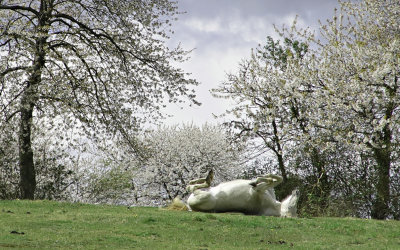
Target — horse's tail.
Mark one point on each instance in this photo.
(177, 205)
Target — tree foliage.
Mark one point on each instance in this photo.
(99, 67)
(340, 95)
(179, 154)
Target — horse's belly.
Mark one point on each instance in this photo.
(236, 196)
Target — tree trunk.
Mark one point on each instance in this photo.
(278, 153)
(28, 102)
(322, 184)
(26, 164)
(282, 168)
(381, 208)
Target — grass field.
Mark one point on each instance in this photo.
(56, 225)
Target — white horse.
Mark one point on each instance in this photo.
(255, 197)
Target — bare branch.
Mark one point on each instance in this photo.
(18, 7)
(10, 70)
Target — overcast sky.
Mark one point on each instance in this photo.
(222, 32)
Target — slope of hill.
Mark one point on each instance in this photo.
(58, 225)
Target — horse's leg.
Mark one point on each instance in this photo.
(289, 204)
(269, 205)
(197, 181)
(270, 180)
(200, 183)
(261, 187)
(194, 187)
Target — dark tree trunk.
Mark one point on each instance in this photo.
(28, 102)
(278, 153)
(323, 189)
(381, 209)
(26, 164)
(282, 168)
(381, 206)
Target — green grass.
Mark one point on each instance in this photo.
(56, 225)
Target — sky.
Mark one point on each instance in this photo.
(222, 33)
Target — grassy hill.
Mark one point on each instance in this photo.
(56, 225)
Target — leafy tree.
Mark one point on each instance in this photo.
(342, 96)
(357, 69)
(264, 110)
(179, 154)
(99, 67)
(277, 56)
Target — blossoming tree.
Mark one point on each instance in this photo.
(343, 93)
(100, 66)
(178, 154)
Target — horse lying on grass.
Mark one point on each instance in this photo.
(254, 197)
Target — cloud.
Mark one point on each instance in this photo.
(223, 32)
(204, 25)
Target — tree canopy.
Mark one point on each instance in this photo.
(327, 92)
(95, 65)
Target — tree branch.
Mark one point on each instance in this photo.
(12, 115)
(18, 7)
(9, 70)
